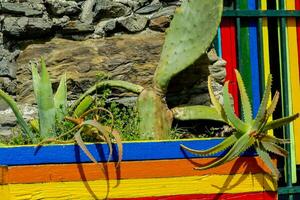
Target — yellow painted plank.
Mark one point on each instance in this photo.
(266, 56)
(208, 184)
(294, 77)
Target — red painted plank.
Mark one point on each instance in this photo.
(243, 196)
(228, 35)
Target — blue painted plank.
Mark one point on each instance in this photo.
(135, 151)
(254, 59)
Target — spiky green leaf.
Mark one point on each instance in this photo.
(280, 122)
(226, 143)
(272, 139)
(191, 31)
(274, 148)
(44, 97)
(83, 106)
(241, 145)
(60, 98)
(267, 160)
(21, 121)
(247, 111)
(261, 114)
(236, 122)
(103, 131)
(80, 143)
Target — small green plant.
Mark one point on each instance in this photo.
(191, 32)
(248, 132)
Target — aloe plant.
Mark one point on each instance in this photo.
(248, 131)
(50, 107)
(191, 31)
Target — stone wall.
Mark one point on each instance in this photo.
(120, 39)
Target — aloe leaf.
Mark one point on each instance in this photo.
(247, 111)
(35, 80)
(263, 106)
(109, 83)
(104, 132)
(60, 98)
(214, 100)
(274, 148)
(191, 31)
(273, 105)
(196, 112)
(229, 141)
(83, 106)
(280, 122)
(236, 122)
(119, 145)
(44, 97)
(21, 121)
(268, 161)
(272, 139)
(80, 142)
(241, 145)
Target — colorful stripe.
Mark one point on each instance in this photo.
(293, 82)
(244, 52)
(228, 38)
(127, 170)
(132, 188)
(132, 151)
(244, 196)
(254, 59)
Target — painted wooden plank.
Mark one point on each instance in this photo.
(228, 39)
(127, 170)
(294, 76)
(244, 196)
(266, 55)
(130, 188)
(253, 46)
(294, 88)
(152, 150)
(244, 65)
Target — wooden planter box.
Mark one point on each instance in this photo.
(149, 170)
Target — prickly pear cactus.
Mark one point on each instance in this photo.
(192, 30)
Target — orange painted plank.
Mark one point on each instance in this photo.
(127, 170)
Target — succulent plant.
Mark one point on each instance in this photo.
(248, 131)
(50, 107)
(191, 32)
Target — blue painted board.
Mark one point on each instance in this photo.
(254, 59)
(133, 151)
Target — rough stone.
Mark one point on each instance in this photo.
(7, 62)
(87, 13)
(60, 22)
(23, 8)
(77, 27)
(133, 23)
(126, 57)
(62, 7)
(106, 9)
(152, 7)
(134, 4)
(167, 11)
(160, 23)
(104, 27)
(21, 26)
